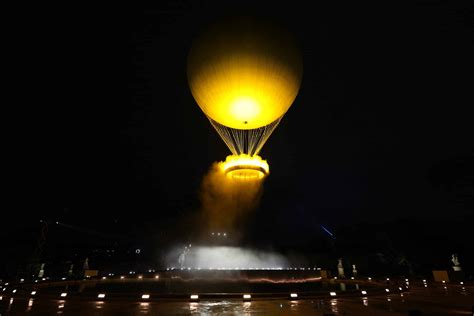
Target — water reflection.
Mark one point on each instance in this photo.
(365, 301)
(193, 307)
(30, 305)
(334, 308)
(61, 304)
(247, 310)
(99, 304)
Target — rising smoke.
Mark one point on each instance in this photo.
(226, 203)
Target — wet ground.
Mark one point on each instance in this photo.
(433, 301)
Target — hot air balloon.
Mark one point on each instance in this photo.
(244, 73)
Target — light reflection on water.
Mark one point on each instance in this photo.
(334, 306)
(301, 307)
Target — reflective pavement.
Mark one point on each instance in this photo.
(452, 300)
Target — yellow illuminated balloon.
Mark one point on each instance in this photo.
(244, 73)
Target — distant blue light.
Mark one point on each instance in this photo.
(327, 231)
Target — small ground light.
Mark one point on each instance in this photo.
(103, 278)
(194, 297)
(33, 292)
(352, 278)
(14, 291)
(247, 296)
(146, 296)
(406, 280)
(443, 281)
(63, 294)
(101, 295)
(63, 279)
(122, 277)
(364, 292)
(22, 280)
(400, 288)
(388, 279)
(332, 293)
(157, 276)
(294, 295)
(461, 283)
(370, 279)
(387, 290)
(140, 277)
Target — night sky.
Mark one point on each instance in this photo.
(381, 130)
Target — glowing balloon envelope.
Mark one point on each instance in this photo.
(244, 73)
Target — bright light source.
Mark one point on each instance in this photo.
(145, 296)
(424, 281)
(103, 278)
(22, 280)
(33, 292)
(364, 292)
(400, 288)
(63, 279)
(406, 280)
(14, 291)
(461, 283)
(293, 295)
(61, 306)
(140, 277)
(122, 277)
(194, 297)
(426, 285)
(387, 290)
(157, 276)
(388, 279)
(101, 295)
(352, 278)
(332, 293)
(443, 281)
(247, 296)
(1, 298)
(63, 294)
(370, 279)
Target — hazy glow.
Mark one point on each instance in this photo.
(226, 258)
(245, 167)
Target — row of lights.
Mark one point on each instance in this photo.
(193, 297)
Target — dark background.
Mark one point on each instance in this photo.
(377, 147)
